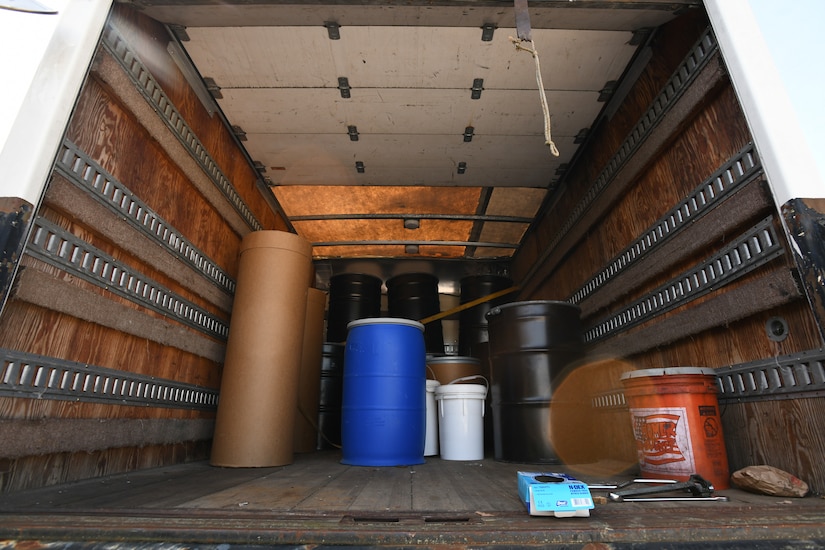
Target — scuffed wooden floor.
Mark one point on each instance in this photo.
(316, 481)
(318, 501)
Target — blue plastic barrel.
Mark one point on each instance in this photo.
(384, 407)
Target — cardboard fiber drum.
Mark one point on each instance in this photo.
(309, 379)
(259, 386)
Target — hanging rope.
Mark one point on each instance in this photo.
(548, 138)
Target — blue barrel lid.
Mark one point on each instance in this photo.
(668, 371)
(385, 321)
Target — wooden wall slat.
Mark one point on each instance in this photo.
(91, 236)
(40, 437)
(68, 199)
(752, 201)
(736, 342)
(49, 292)
(109, 127)
(774, 289)
(41, 470)
(78, 340)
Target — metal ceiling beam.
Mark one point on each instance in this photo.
(665, 5)
(453, 217)
(627, 15)
(420, 243)
(483, 203)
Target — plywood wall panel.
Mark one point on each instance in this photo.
(596, 199)
(117, 129)
(54, 334)
(669, 45)
(115, 139)
(150, 39)
(90, 235)
(74, 202)
(739, 342)
(27, 473)
(785, 434)
(725, 326)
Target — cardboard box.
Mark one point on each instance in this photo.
(554, 494)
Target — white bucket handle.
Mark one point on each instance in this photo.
(473, 377)
(464, 405)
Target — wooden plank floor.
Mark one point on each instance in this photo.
(318, 500)
(316, 481)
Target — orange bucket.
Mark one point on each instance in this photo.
(676, 423)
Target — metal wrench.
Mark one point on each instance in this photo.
(617, 498)
(696, 484)
(630, 482)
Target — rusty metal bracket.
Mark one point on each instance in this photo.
(522, 20)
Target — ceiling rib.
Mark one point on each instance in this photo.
(483, 202)
(420, 243)
(459, 217)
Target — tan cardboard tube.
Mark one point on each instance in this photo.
(309, 379)
(259, 385)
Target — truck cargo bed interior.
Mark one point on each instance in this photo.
(332, 273)
(318, 502)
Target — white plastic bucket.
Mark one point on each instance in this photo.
(461, 419)
(431, 442)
